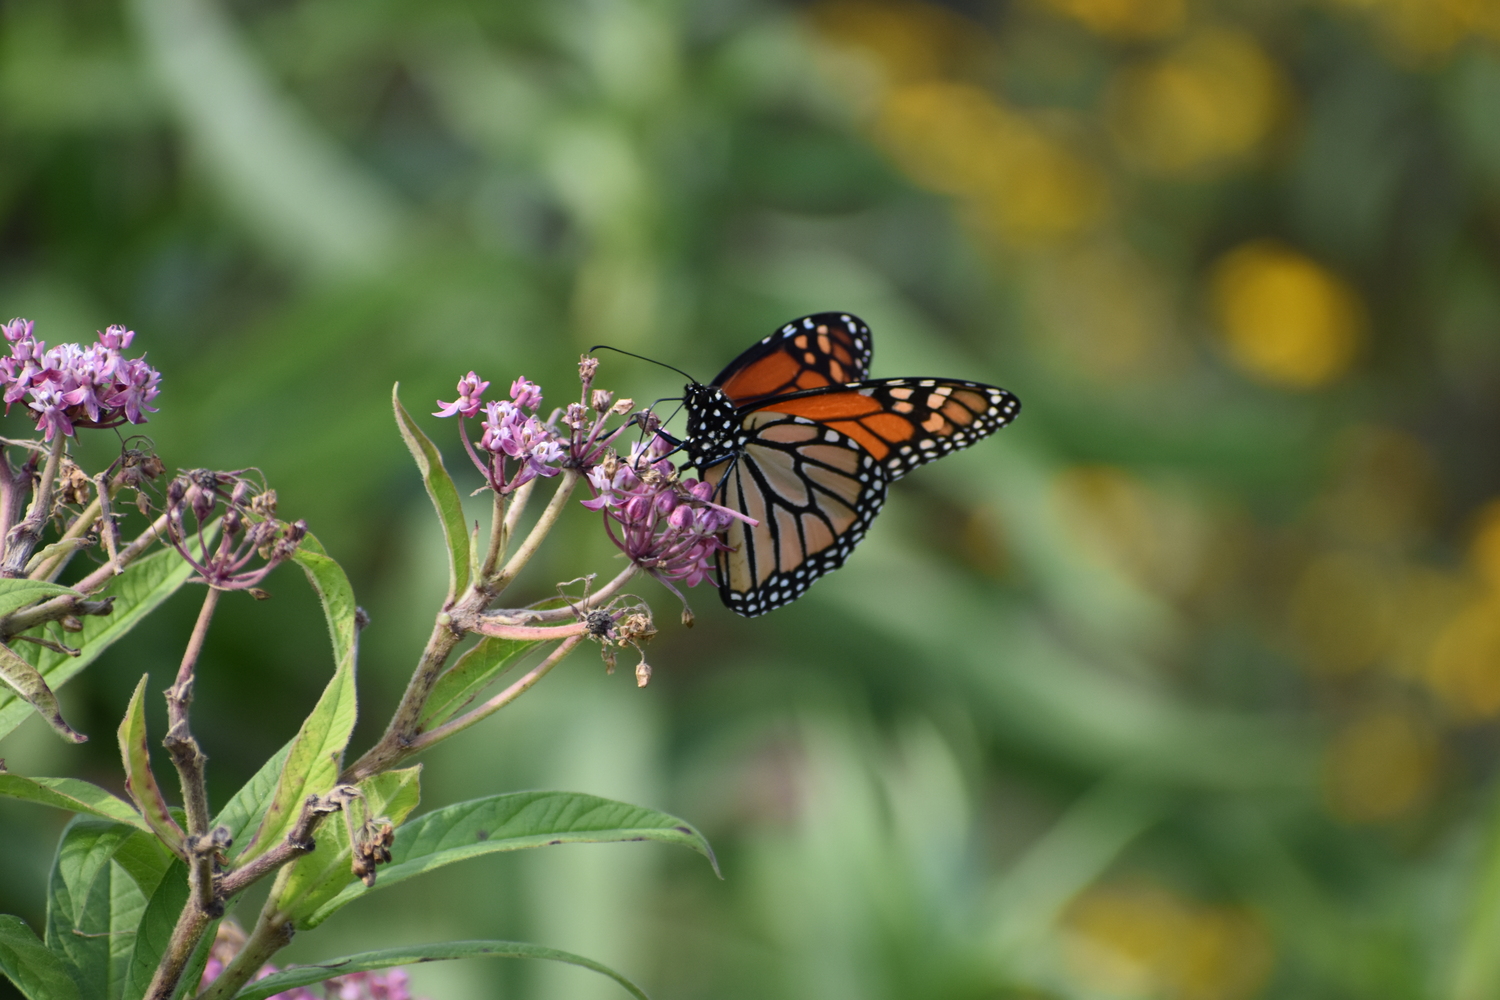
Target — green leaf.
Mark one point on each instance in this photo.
(154, 931)
(488, 659)
(445, 497)
(139, 780)
(71, 794)
(247, 807)
(304, 975)
(94, 905)
(313, 880)
(26, 681)
(137, 592)
(512, 822)
(38, 973)
(315, 756)
(17, 594)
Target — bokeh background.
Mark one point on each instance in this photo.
(1184, 687)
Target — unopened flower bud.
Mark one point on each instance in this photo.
(241, 493)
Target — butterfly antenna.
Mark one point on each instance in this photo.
(606, 347)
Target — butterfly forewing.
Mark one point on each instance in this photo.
(906, 422)
(814, 493)
(808, 353)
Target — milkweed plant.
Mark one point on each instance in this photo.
(142, 895)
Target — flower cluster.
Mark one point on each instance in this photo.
(72, 386)
(249, 528)
(390, 985)
(667, 526)
(516, 446)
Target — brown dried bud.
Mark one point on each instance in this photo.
(642, 674)
(260, 594)
(687, 616)
(587, 366)
(264, 504)
(601, 400)
(622, 407)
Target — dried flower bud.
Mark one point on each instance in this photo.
(601, 400)
(587, 367)
(264, 504)
(687, 616)
(642, 674)
(259, 593)
(622, 407)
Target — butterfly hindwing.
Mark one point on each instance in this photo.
(808, 353)
(814, 492)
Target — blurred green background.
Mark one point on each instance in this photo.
(1184, 687)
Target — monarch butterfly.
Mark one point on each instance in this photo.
(792, 434)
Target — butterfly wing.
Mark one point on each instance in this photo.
(808, 353)
(905, 422)
(814, 491)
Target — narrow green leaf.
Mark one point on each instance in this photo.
(94, 905)
(139, 781)
(315, 756)
(137, 592)
(71, 794)
(17, 594)
(38, 973)
(244, 811)
(471, 674)
(445, 497)
(513, 822)
(154, 931)
(26, 681)
(315, 879)
(305, 975)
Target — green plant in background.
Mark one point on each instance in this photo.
(1193, 687)
(138, 892)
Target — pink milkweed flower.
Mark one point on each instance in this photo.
(468, 403)
(528, 395)
(668, 527)
(70, 386)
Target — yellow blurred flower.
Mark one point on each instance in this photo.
(1484, 551)
(910, 41)
(1380, 766)
(1463, 668)
(1145, 940)
(1286, 319)
(1203, 105)
(1017, 182)
(1129, 19)
(1343, 612)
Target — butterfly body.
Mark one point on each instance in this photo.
(793, 434)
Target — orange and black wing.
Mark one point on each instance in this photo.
(809, 353)
(905, 422)
(814, 492)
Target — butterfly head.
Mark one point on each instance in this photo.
(713, 425)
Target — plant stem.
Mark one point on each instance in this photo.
(272, 932)
(496, 703)
(186, 754)
(185, 936)
(22, 539)
(54, 565)
(533, 540)
(520, 633)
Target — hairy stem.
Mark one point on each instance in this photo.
(22, 539)
(500, 581)
(185, 937)
(496, 703)
(272, 932)
(498, 539)
(189, 759)
(408, 714)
